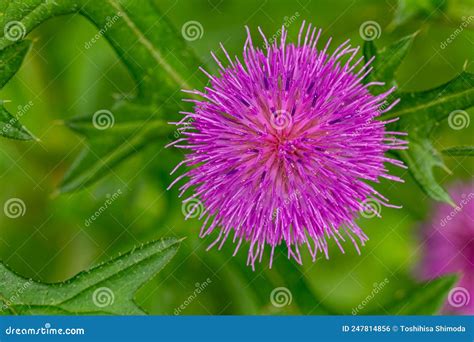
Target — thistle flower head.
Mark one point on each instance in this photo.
(281, 146)
(449, 246)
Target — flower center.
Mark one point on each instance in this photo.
(285, 147)
(282, 152)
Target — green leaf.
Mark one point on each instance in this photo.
(11, 127)
(422, 299)
(161, 62)
(369, 50)
(430, 106)
(419, 114)
(113, 136)
(108, 288)
(459, 151)
(386, 61)
(409, 9)
(11, 59)
(101, 155)
(421, 158)
(123, 118)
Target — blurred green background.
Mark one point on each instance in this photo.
(63, 79)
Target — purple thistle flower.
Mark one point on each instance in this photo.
(281, 147)
(449, 246)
